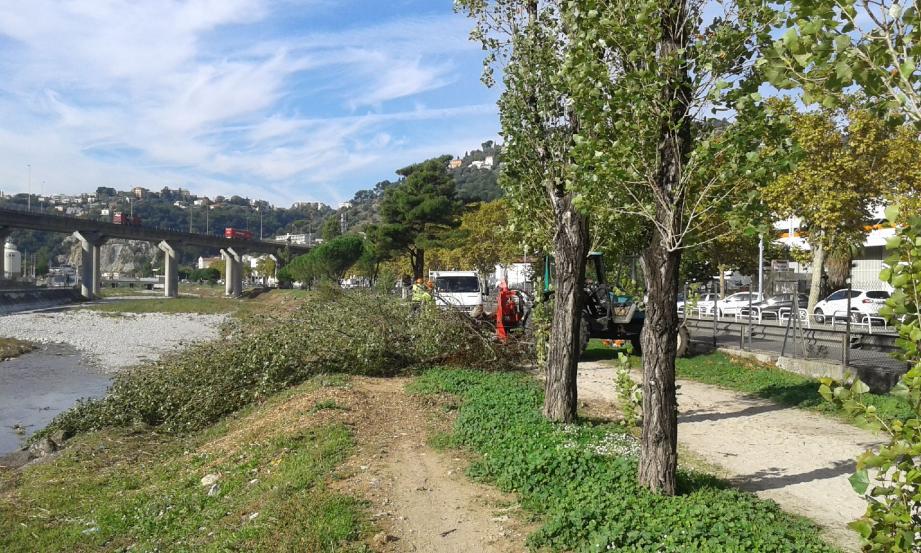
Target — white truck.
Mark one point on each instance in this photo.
(457, 289)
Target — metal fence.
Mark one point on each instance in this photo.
(863, 345)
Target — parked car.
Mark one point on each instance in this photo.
(863, 303)
(770, 308)
(704, 303)
(736, 302)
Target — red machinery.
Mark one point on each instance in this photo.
(508, 311)
(120, 218)
(236, 233)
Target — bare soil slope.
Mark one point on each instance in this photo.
(419, 496)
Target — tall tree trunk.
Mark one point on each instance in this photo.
(417, 259)
(818, 265)
(722, 270)
(838, 268)
(659, 338)
(661, 260)
(571, 249)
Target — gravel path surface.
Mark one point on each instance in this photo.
(113, 342)
(799, 459)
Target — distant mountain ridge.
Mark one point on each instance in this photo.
(475, 173)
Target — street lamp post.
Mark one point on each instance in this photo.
(29, 197)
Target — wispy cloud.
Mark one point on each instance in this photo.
(231, 96)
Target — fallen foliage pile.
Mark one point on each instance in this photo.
(356, 332)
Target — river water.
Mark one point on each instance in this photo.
(38, 385)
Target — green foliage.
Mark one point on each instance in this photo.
(775, 384)
(629, 393)
(141, 491)
(331, 228)
(419, 213)
(826, 47)
(209, 274)
(581, 479)
(485, 241)
(890, 476)
(328, 261)
(355, 332)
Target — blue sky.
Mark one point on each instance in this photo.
(285, 100)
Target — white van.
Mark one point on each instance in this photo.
(457, 289)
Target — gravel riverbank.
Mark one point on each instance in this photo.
(113, 342)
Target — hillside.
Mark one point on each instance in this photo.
(475, 173)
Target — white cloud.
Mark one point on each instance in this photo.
(209, 94)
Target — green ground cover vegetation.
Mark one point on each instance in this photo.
(11, 347)
(762, 380)
(123, 489)
(580, 480)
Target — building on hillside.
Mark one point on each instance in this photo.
(139, 192)
(293, 238)
(455, 163)
(205, 262)
(489, 162)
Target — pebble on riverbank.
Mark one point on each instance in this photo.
(113, 343)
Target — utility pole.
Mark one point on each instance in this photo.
(29, 199)
(190, 220)
(260, 223)
(207, 228)
(760, 266)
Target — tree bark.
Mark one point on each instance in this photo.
(571, 249)
(661, 260)
(838, 268)
(818, 265)
(417, 260)
(659, 338)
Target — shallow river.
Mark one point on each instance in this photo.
(38, 385)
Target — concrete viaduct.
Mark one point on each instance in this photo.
(93, 234)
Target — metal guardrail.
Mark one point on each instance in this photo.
(859, 350)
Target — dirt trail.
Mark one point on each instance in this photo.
(419, 496)
(799, 459)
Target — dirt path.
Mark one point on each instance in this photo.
(419, 496)
(799, 459)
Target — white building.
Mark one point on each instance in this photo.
(12, 261)
(293, 238)
(867, 264)
(205, 262)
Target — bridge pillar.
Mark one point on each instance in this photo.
(170, 270)
(233, 272)
(89, 263)
(4, 234)
(97, 273)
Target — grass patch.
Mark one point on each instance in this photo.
(209, 305)
(327, 405)
(775, 384)
(11, 347)
(581, 479)
(117, 491)
(206, 301)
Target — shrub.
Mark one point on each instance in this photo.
(582, 479)
(893, 516)
(355, 332)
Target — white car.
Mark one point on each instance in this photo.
(734, 304)
(703, 305)
(863, 303)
